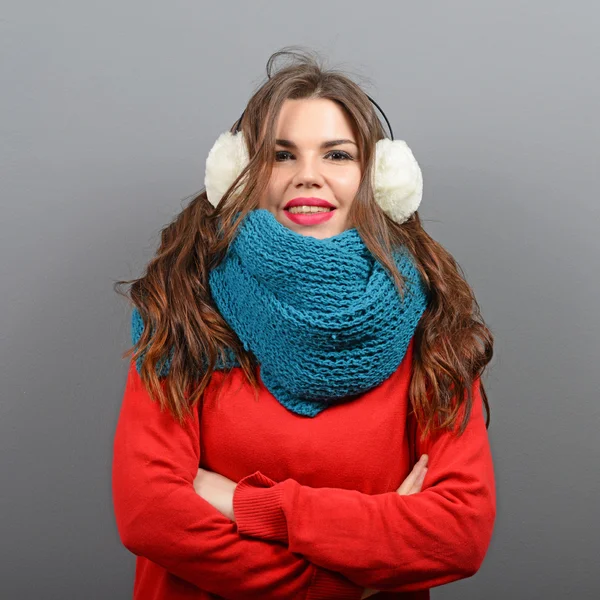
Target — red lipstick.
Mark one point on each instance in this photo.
(309, 218)
(308, 202)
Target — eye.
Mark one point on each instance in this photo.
(341, 154)
(278, 155)
(336, 155)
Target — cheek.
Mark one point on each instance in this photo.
(348, 183)
(275, 186)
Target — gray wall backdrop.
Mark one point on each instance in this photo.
(108, 110)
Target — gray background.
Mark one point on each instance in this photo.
(108, 110)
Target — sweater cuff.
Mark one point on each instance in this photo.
(258, 508)
(328, 584)
(258, 512)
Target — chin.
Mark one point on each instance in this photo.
(320, 231)
(320, 234)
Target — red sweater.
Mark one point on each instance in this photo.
(316, 508)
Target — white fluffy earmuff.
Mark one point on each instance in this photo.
(397, 179)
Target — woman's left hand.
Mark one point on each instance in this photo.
(217, 490)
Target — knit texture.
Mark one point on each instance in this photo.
(322, 316)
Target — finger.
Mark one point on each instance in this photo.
(419, 482)
(409, 482)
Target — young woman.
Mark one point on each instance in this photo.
(303, 413)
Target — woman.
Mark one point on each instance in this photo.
(303, 414)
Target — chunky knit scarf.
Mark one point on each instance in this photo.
(322, 316)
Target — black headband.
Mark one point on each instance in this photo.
(239, 121)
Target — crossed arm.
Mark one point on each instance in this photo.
(382, 542)
(390, 541)
(218, 491)
(160, 516)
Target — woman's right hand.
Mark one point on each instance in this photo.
(411, 485)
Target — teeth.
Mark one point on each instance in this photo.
(308, 209)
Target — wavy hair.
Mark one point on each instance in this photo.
(452, 344)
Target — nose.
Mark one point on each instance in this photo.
(308, 172)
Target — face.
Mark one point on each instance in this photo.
(316, 162)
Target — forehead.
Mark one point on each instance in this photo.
(312, 119)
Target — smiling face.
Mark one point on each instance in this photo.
(316, 159)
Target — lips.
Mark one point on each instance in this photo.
(309, 219)
(311, 201)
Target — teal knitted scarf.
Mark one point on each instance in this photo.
(322, 316)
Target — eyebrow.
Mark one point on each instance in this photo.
(327, 144)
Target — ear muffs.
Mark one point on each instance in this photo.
(396, 177)
(225, 161)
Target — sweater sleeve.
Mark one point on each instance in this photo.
(160, 516)
(388, 541)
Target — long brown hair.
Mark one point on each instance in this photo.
(452, 344)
